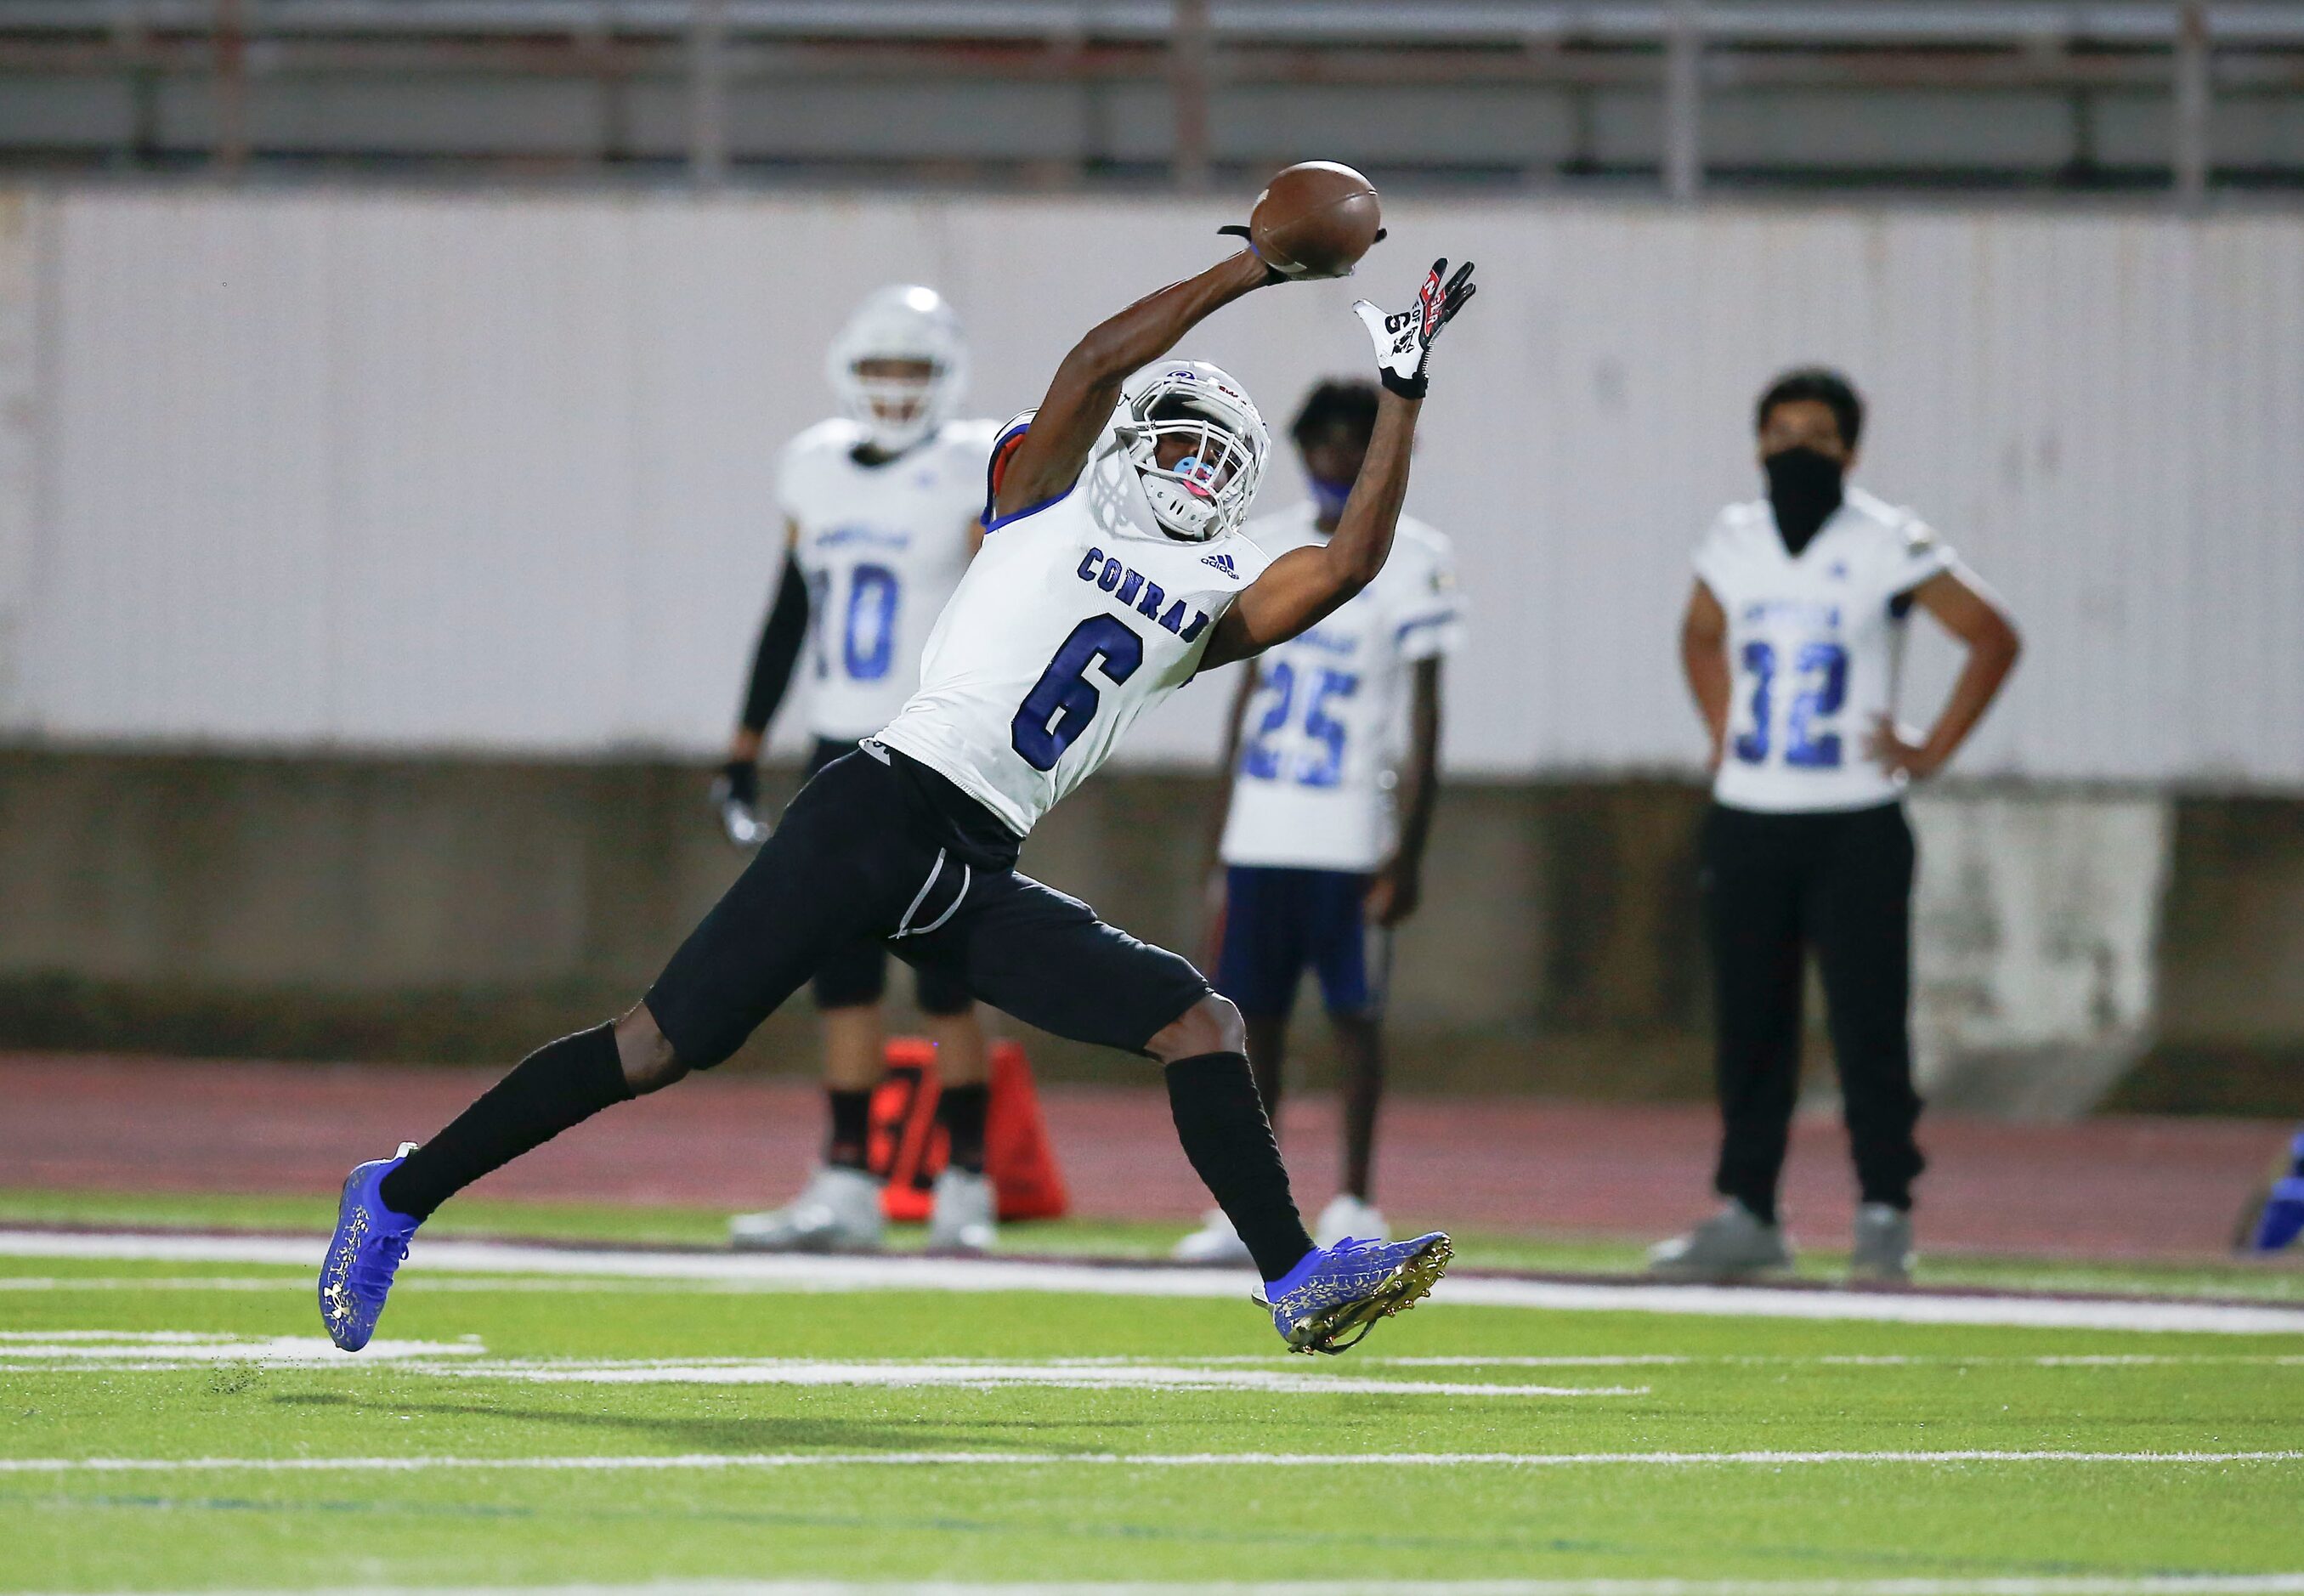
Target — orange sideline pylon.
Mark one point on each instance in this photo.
(908, 1149)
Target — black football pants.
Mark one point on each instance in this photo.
(856, 972)
(1774, 886)
(855, 858)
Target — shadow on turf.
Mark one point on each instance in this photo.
(1073, 1527)
(714, 1434)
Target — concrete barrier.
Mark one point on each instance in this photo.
(462, 910)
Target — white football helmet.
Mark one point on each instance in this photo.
(902, 322)
(1207, 492)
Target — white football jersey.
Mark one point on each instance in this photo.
(1072, 622)
(882, 548)
(1327, 724)
(1814, 648)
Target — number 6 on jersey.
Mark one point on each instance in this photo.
(1063, 700)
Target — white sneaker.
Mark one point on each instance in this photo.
(837, 1211)
(1733, 1244)
(1883, 1253)
(1214, 1242)
(965, 1219)
(1346, 1216)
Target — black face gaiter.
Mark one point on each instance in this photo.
(1804, 490)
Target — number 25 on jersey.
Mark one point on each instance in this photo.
(1322, 764)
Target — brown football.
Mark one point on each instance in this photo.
(1316, 219)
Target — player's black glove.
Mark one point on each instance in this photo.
(1403, 340)
(736, 795)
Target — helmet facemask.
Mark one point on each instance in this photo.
(893, 398)
(1198, 448)
(899, 366)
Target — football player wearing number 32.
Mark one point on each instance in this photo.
(1112, 570)
(1790, 644)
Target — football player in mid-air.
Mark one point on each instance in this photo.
(1331, 798)
(880, 508)
(1113, 569)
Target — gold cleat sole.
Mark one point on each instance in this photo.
(1409, 1283)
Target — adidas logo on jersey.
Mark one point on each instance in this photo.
(1133, 589)
(1222, 562)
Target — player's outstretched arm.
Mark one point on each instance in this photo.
(1087, 387)
(1304, 584)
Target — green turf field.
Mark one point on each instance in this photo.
(563, 1429)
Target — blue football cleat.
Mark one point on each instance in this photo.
(1348, 1287)
(2280, 1219)
(371, 1241)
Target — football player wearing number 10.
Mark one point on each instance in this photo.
(1112, 570)
(1790, 645)
(881, 510)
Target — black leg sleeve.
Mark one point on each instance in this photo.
(1863, 920)
(1221, 1122)
(963, 1111)
(560, 1084)
(1752, 872)
(847, 1140)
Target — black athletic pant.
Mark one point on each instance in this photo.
(1775, 886)
(857, 973)
(879, 848)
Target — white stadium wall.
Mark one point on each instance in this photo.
(385, 471)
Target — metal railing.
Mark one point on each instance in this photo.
(1684, 52)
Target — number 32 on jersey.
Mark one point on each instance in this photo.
(1818, 681)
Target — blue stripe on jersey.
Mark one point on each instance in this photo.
(1009, 436)
(1407, 626)
(995, 524)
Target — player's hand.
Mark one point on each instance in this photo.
(1273, 274)
(1892, 748)
(736, 795)
(1403, 339)
(1394, 892)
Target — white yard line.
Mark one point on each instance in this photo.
(2166, 1584)
(1053, 1274)
(112, 1351)
(716, 1461)
(809, 1371)
(105, 1352)
(417, 1282)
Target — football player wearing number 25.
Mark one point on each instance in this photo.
(881, 507)
(1790, 645)
(1112, 570)
(1333, 752)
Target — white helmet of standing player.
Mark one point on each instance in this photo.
(899, 365)
(1204, 491)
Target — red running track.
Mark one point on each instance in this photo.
(2128, 1188)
